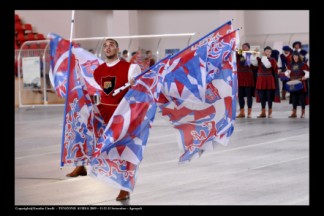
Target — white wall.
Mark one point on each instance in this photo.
(260, 27)
(270, 27)
(182, 21)
(276, 21)
(89, 23)
(124, 23)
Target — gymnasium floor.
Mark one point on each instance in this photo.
(265, 163)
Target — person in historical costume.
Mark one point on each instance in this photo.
(245, 80)
(139, 59)
(298, 70)
(111, 75)
(149, 58)
(124, 55)
(267, 85)
(297, 46)
(285, 61)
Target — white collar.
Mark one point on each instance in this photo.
(110, 64)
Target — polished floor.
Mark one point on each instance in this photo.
(265, 163)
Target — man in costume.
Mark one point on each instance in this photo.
(124, 55)
(285, 61)
(245, 80)
(111, 75)
(149, 58)
(267, 85)
(297, 47)
(298, 70)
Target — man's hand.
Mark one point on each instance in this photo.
(132, 81)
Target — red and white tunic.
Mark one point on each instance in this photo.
(244, 72)
(266, 69)
(111, 76)
(296, 71)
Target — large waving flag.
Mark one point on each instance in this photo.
(83, 124)
(195, 88)
(113, 151)
(124, 139)
(199, 94)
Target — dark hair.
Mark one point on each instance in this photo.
(297, 54)
(246, 44)
(296, 42)
(125, 52)
(148, 51)
(267, 48)
(275, 54)
(133, 53)
(110, 39)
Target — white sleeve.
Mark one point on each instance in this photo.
(265, 61)
(307, 59)
(287, 73)
(133, 71)
(279, 63)
(306, 74)
(253, 60)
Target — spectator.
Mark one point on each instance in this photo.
(149, 58)
(124, 56)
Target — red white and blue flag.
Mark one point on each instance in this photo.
(115, 150)
(59, 52)
(124, 140)
(196, 89)
(199, 93)
(83, 124)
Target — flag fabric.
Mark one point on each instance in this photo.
(199, 94)
(83, 124)
(59, 51)
(186, 77)
(124, 139)
(115, 150)
(196, 89)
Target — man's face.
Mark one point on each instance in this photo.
(149, 54)
(295, 57)
(267, 52)
(245, 48)
(296, 47)
(286, 52)
(110, 49)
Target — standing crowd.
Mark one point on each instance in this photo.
(259, 73)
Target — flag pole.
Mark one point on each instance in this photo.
(67, 89)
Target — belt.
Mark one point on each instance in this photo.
(109, 104)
